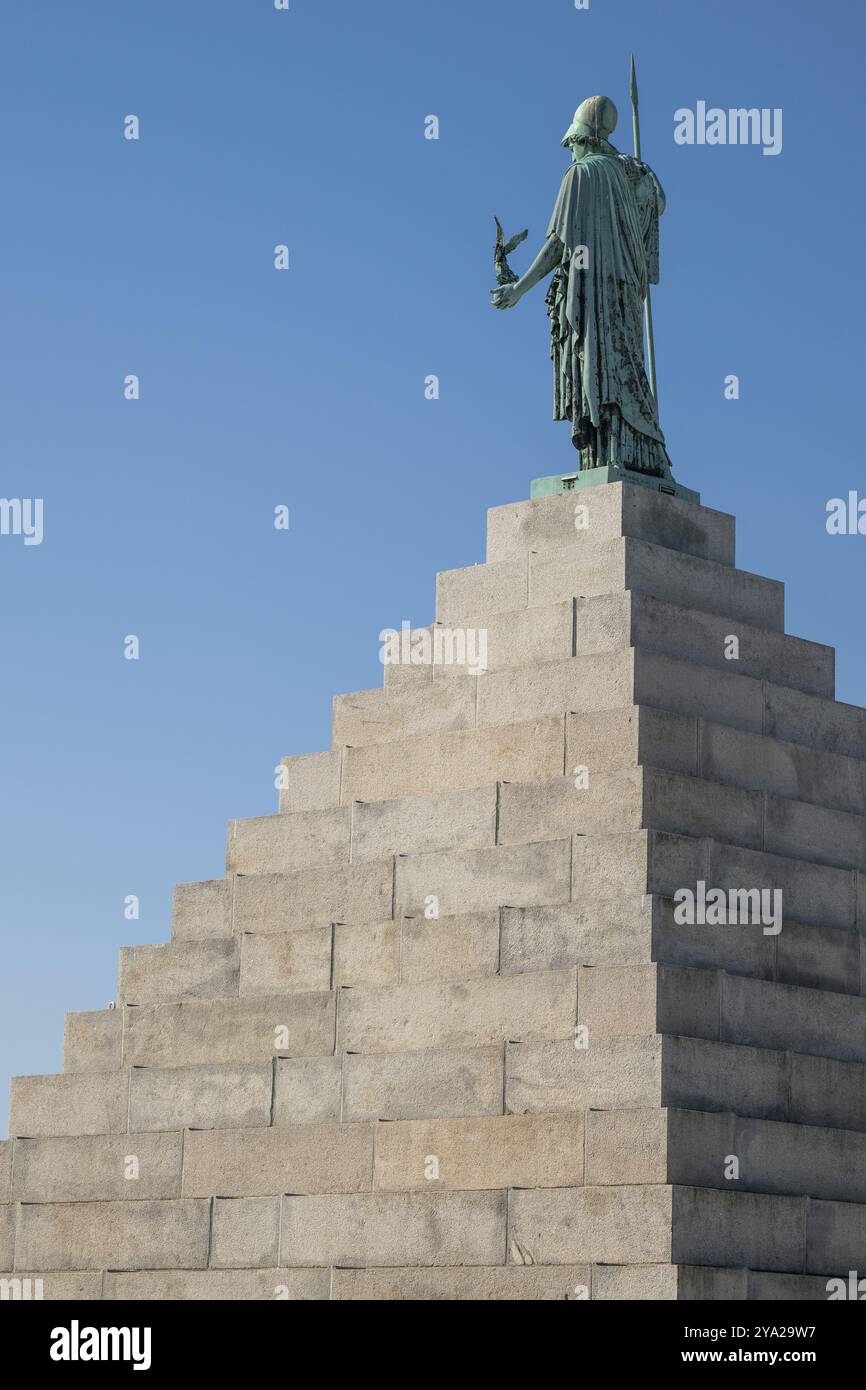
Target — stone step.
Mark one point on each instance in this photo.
(229, 1030)
(208, 969)
(586, 684)
(616, 1001)
(590, 569)
(447, 1082)
(576, 1283)
(511, 813)
(604, 740)
(303, 839)
(303, 898)
(640, 930)
(606, 513)
(529, 637)
(686, 1225)
(450, 882)
(612, 1073)
(93, 1040)
(116, 1235)
(646, 797)
(478, 1153)
(426, 764)
(73, 1103)
(537, 1283)
(642, 735)
(444, 1014)
(98, 1168)
(657, 862)
(699, 1149)
(202, 911)
(212, 1285)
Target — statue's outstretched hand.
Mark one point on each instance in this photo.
(505, 296)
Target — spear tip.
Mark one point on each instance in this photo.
(633, 80)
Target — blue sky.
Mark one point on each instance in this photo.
(306, 387)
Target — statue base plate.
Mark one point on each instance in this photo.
(592, 477)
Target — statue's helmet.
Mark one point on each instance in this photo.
(595, 118)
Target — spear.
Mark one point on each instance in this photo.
(648, 308)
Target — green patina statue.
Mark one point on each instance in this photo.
(603, 249)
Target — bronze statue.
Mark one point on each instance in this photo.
(603, 249)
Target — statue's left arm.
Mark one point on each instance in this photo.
(548, 258)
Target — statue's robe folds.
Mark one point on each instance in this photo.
(607, 218)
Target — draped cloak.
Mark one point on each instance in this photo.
(610, 205)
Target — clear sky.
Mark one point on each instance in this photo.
(306, 387)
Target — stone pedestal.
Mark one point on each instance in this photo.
(439, 1033)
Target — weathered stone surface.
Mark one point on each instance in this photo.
(556, 809)
(429, 1084)
(395, 1228)
(634, 1282)
(7, 1235)
(257, 1162)
(371, 716)
(312, 782)
(449, 948)
(658, 862)
(624, 1225)
(734, 1229)
(75, 1286)
(813, 720)
(473, 1013)
(588, 570)
(506, 1282)
(115, 1235)
(302, 839)
(224, 1096)
(367, 955)
(126, 1167)
(308, 1090)
(296, 961)
(490, 588)
(547, 523)
(309, 897)
(558, 1076)
(835, 1237)
(191, 1285)
(674, 628)
(230, 1030)
(5, 1171)
(76, 1103)
(480, 880)
(178, 970)
(706, 1075)
(462, 758)
(556, 938)
(480, 1152)
(761, 762)
(462, 820)
(202, 910)
(520, 637)
(580, 683)
(246, 1232)
(705, 692)
(92, 1041)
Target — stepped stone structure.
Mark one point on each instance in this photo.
(438, 1033)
